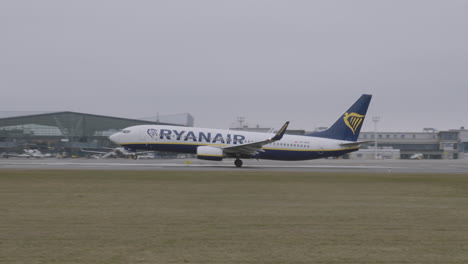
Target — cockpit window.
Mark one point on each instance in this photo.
(126, 131)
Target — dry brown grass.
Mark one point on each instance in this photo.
(231, 217)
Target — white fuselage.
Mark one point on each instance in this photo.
(188, 139)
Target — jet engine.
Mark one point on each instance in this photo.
(209, 153)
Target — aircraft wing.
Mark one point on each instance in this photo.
(255, 147)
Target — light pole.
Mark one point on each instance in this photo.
(241, 120)
(375, 119)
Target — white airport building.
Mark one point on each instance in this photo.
(432, 144)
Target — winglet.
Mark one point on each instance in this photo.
(281, 132)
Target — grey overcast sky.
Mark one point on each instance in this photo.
(270, 61)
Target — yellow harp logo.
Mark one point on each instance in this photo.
(353, 121)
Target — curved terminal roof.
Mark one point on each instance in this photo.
(75, 124)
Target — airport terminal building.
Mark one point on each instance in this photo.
(69, 132)
(432, 144)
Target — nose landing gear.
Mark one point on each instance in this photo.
(238, 163)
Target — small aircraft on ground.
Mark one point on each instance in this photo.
(119, 152)
(29, 153)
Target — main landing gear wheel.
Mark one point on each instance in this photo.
(238, 163)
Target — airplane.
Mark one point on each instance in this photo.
(29, 153)
(216, 144)
(117, 152)
(417, 156)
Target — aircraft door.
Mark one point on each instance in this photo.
(142, 134)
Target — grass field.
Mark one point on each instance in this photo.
(231, 217)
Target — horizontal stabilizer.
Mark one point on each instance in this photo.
(355, 144)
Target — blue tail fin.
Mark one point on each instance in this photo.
(348, 126)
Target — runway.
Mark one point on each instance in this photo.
(323, 165)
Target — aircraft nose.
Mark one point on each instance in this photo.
(114, 138)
